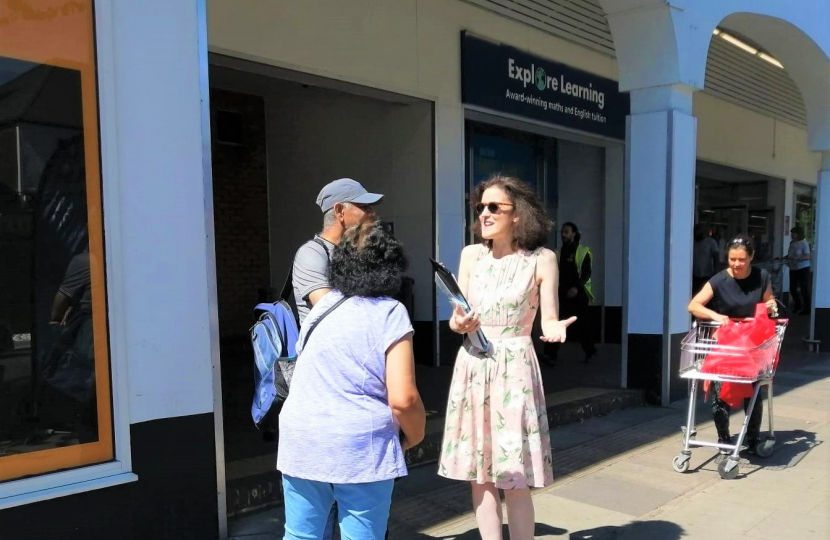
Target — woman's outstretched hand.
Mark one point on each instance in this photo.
(556, 331)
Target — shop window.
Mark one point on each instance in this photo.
(531, 158)
(804, 201)
(55, 401)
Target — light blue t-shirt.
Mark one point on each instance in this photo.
(336, 425)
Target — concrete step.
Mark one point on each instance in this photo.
(254, 483)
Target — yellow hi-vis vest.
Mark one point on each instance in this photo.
(581, 251)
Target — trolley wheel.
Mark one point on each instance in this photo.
(728, 474)
(680, 463)
(764, 448)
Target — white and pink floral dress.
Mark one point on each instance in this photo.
(497, 424)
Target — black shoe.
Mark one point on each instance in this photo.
(724, 440)
(748, 447)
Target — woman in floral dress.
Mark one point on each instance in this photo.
(496, 434)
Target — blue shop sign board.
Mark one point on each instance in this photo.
(506, 79)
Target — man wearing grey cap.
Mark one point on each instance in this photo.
(344, 203)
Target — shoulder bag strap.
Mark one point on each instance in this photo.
(321, 317)
(322, 243)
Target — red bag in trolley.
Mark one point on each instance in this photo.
(741, 344)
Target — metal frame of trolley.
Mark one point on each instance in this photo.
(700, 342)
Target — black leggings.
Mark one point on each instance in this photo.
(721, 410)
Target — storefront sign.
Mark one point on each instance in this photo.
(506, 79)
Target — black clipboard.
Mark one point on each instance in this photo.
(446, 282)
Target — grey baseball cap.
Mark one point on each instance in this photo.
(345, 190)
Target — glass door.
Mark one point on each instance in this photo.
(804, 211)
(724, 222)
(494, 150)
(761, 228)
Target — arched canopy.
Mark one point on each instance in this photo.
(666, 42)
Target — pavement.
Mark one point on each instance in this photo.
(614, 478)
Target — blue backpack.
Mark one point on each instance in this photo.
(274, 339)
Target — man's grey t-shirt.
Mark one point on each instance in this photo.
(311, 268)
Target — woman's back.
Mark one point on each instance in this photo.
(336, 425)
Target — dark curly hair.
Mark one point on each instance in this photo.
(534, 225)
(368, 262)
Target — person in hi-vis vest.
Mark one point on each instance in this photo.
(574, 291)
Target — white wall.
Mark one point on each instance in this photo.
(160, 274)
(614, 225)
(582, 201)
(730, 135)
(412, 47)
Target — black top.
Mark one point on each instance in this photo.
(737, 298)
(569, 276)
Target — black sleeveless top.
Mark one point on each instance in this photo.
(736, 298)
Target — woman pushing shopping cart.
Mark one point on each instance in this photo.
(734, 360)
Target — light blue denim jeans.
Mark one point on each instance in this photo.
(362, 509)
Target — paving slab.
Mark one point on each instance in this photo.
(571, 516)
(784, 524)
(716, 516)
(659, 478)
(614, 493)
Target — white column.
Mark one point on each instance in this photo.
(820, 328)
(789, 223)
(614, 255)
(660, 184)
(450, 213)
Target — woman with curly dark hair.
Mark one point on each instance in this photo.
(353, 409)
(496, 434)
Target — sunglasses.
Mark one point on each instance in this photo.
(740, 242)
(364, 207)
(493, 207)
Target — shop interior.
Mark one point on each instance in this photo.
(570, 179)
(277, 138)
(732, 201)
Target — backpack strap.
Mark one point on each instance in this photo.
(288, 284)
(321, 317)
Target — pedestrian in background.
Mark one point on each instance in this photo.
(798, 259)
(575, 294)
(705, 258)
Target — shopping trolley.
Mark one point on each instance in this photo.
(775, 268)
(762, 361)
